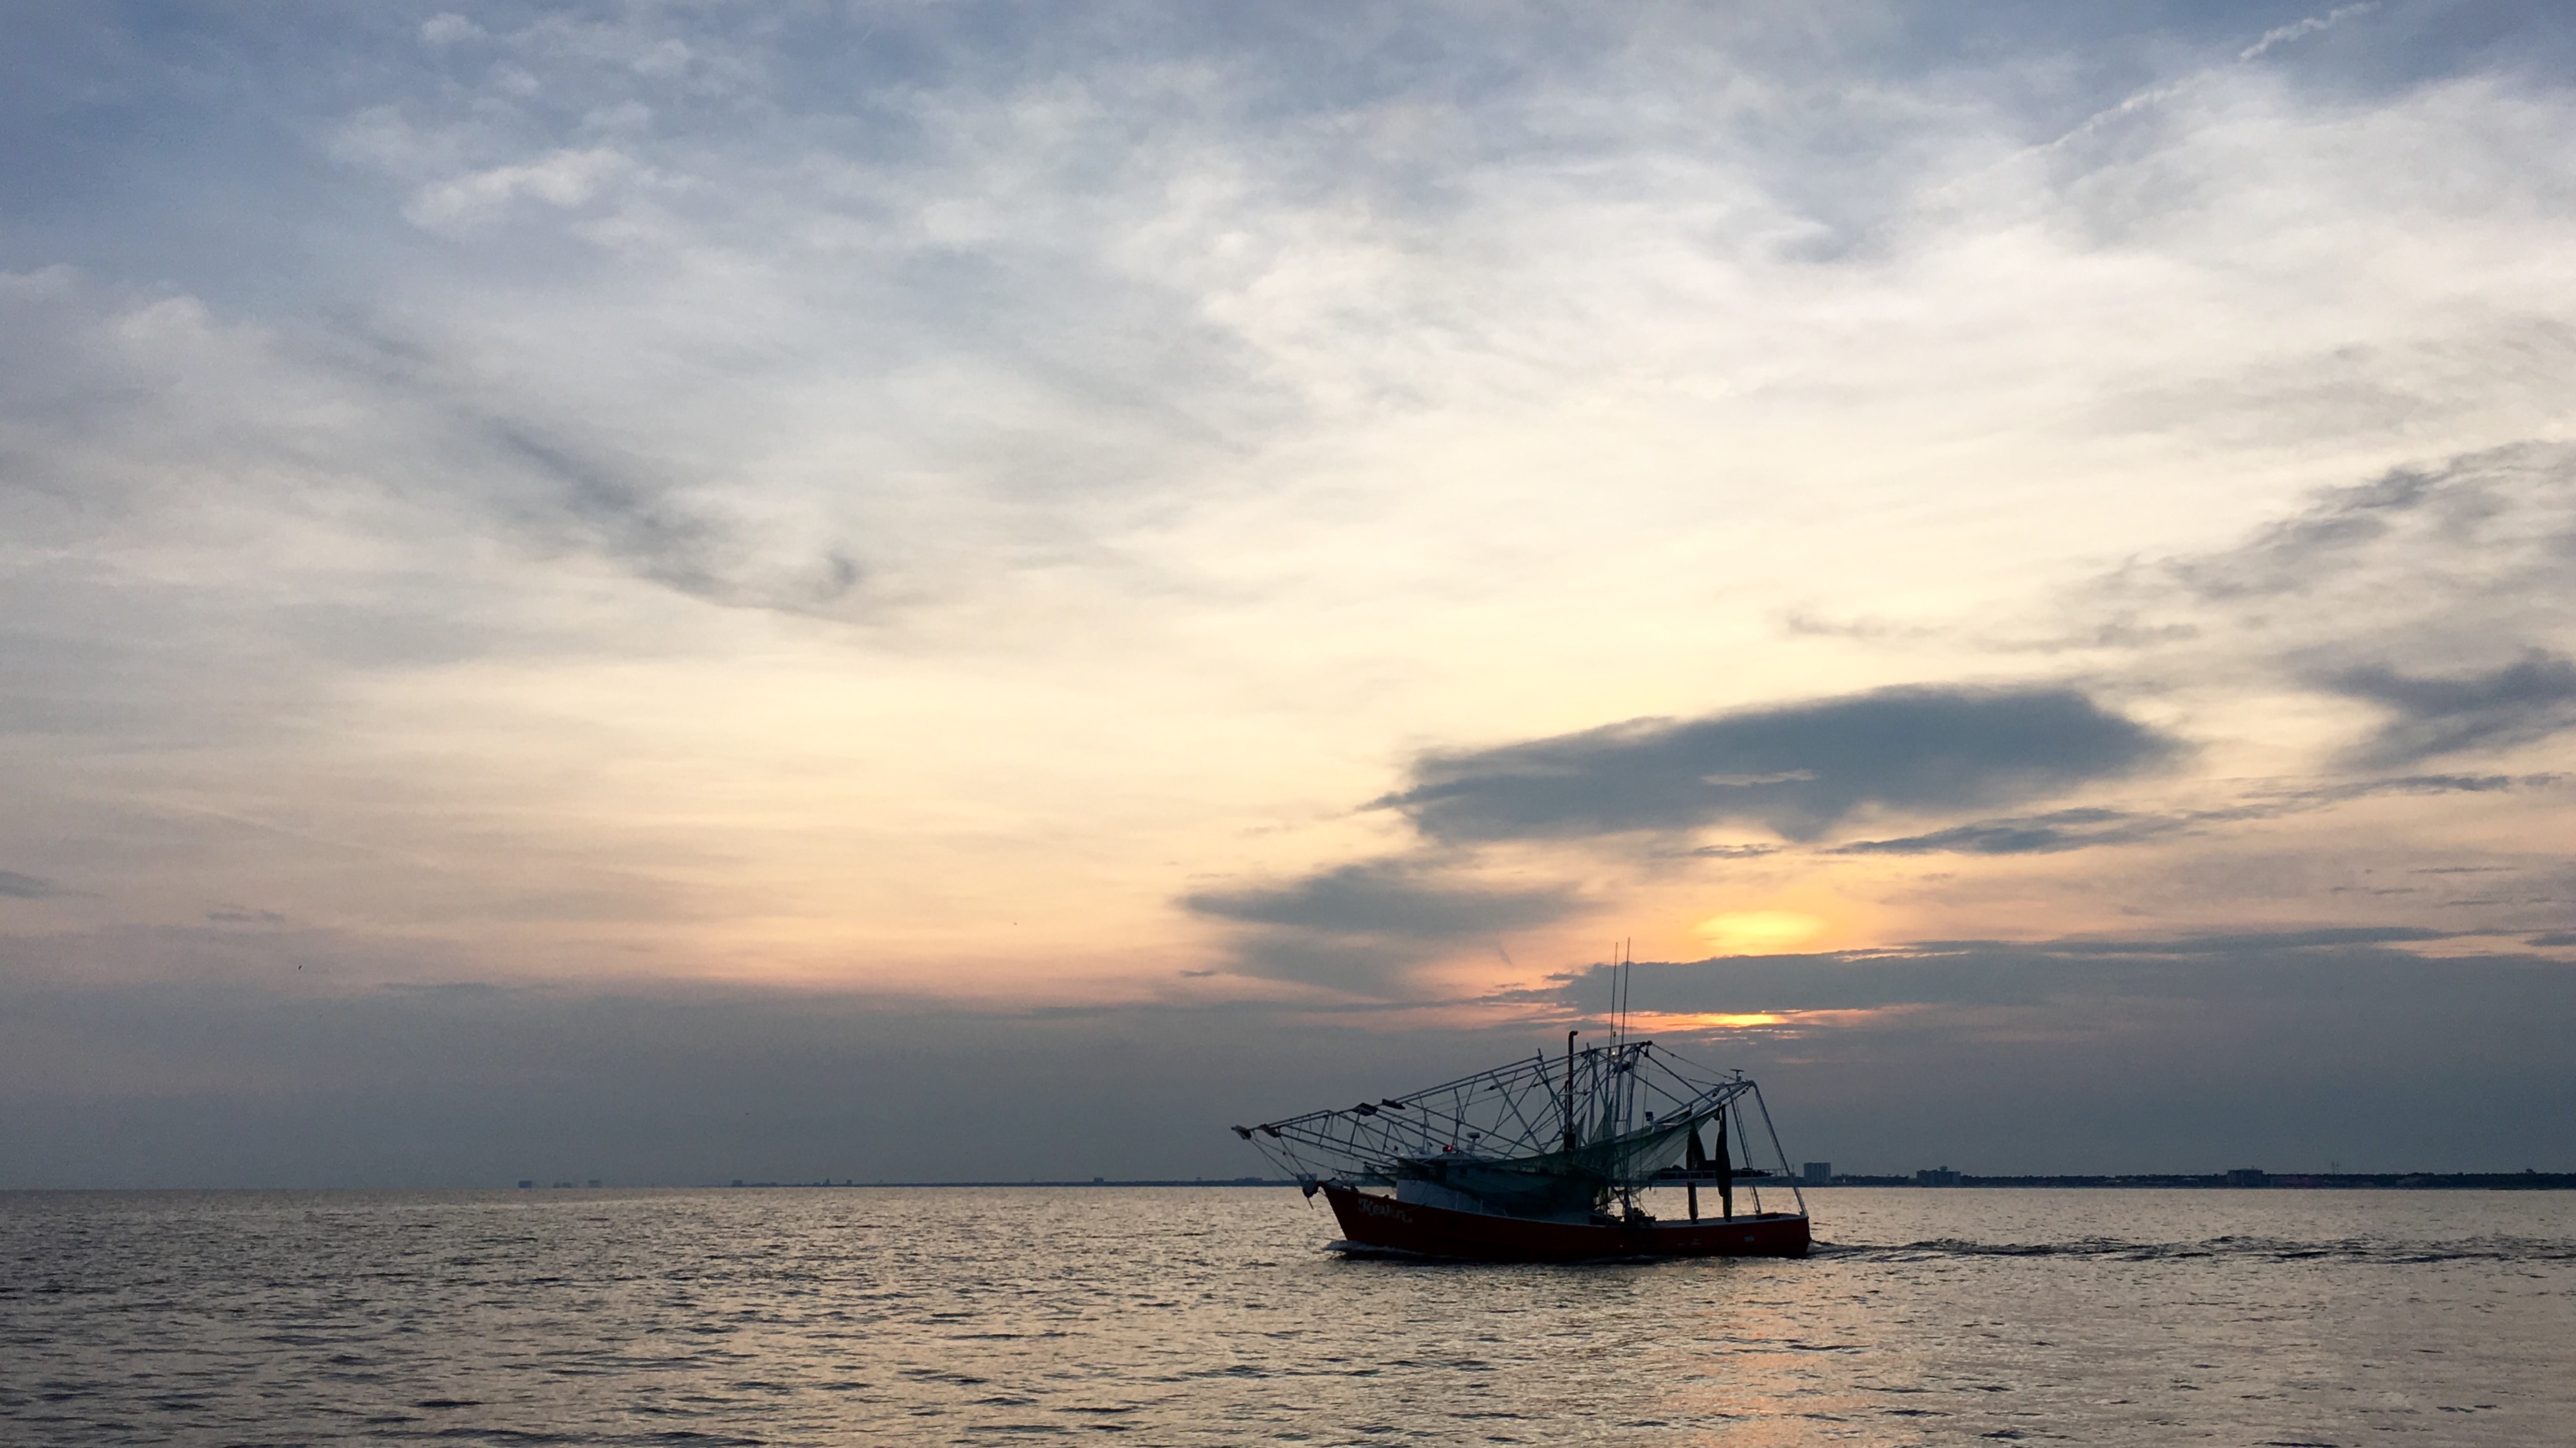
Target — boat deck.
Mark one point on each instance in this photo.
(1386, 1224)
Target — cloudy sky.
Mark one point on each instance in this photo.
(678, 591)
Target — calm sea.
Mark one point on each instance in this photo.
(1214, 1316)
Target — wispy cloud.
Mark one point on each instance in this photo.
(2284, 34)
(1971, 973)
(26, 887)
(987, 496)
(2436, 715)
(2090, 827)
(2043, 834)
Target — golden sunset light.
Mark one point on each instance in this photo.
(1753, 932)
(1179, 532)
(853, 722)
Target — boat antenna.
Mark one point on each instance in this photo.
(1627, 959)
(1618, 994)
(1614, 995)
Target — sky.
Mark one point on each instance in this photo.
(672, 592)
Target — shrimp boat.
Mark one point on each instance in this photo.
(1545, 1162)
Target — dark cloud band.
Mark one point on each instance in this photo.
(1797, 768)
(1360, 927)
(1385, 899)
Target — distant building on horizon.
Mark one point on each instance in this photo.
(2248, 1176)
(1936, 1176)
(1816, 1174)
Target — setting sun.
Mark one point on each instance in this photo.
(1749, 932)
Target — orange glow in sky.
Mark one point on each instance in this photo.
(1249, 589)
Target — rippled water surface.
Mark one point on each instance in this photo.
(1213, 1316)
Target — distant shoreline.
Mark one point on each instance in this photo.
(2320, 1181)
(2255, 1181)
(2211, 1181)
(1089, 1182)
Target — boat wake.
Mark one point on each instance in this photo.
(1347, 1248)
(2266, 1249)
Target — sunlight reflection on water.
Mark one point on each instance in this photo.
(1211, 1315)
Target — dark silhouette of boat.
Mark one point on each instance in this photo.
(1537, 1162)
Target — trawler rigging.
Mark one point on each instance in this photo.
(1545, 1160)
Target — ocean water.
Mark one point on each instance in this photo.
(1214, 1316)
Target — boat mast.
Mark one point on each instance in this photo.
(1725, 1166)
(1570, 1139)
(1694, 1161)
(1795, 1194)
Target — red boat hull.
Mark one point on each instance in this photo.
(1387, 1224)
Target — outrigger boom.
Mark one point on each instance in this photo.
(1530, 1162)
